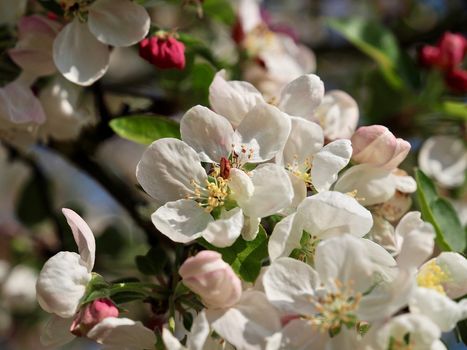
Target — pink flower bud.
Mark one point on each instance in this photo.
(91, 314)
(447, 54)
(212, 279)
(457, 80)
(163, 51)
(376, 145)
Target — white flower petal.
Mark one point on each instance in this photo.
(250, 228)
(83, 236)
(358, 261)
(305, 139)
(386, 298)
(327, 163)
(284, 238)
(56, 332)
(405, 184)
(224, 231)
(232, 99)
(445, 159)
(182, 221)
(289, 284)
(210, 134)
(118, 22)
(272, 191)
(19, 105)
(247, 324)
(331, 213)
(167, 168)
(122, 334)
(373, 185)
(455, 266)
(240, 185)
(170, 341)
(78, 55)
(437, 307)
(62, 283)
(416, 240)
(199, 332)
(264, 131)
(302, 96)
(338, 115)
(423, 332)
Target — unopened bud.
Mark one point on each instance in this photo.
(163, 51)
(91, 314)
(212, 279)
(376, 145)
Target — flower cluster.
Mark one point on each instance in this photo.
(447, 56)
(347, 266)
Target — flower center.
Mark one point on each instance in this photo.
(76, 8)
(241, 156)
(336, 309)
(432, 276)
(301, 170)
(214, 193)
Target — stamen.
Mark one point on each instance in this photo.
(336, 309)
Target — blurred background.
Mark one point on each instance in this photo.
(368, 49)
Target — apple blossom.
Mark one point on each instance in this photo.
(33, 50)
(323, 215)
(337, 114)
(170, 171)
(445, 159)
(409, 331)
(21, 113)
(310, 165)
(213, 279)
(302, 97)
(327, 299)
(69, 109)
(81, 51)
(63, 279)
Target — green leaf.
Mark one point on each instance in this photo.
(245, 257)
(450, 234)
(153, 262)
(220, 10)
(454, 109)
(196, 46)
(145, 129)
(375, 41)
(449, 223)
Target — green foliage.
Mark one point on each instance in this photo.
(51, 5)
(454, 109)
(220, 10)
(245, 257)
(450, 235)
(145, 129)
(30, 208)
(153, 262)
(381, 45)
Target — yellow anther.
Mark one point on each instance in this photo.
(432, 276)
(335, 309)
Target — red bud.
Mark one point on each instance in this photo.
(163, 52)
(457, 80)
